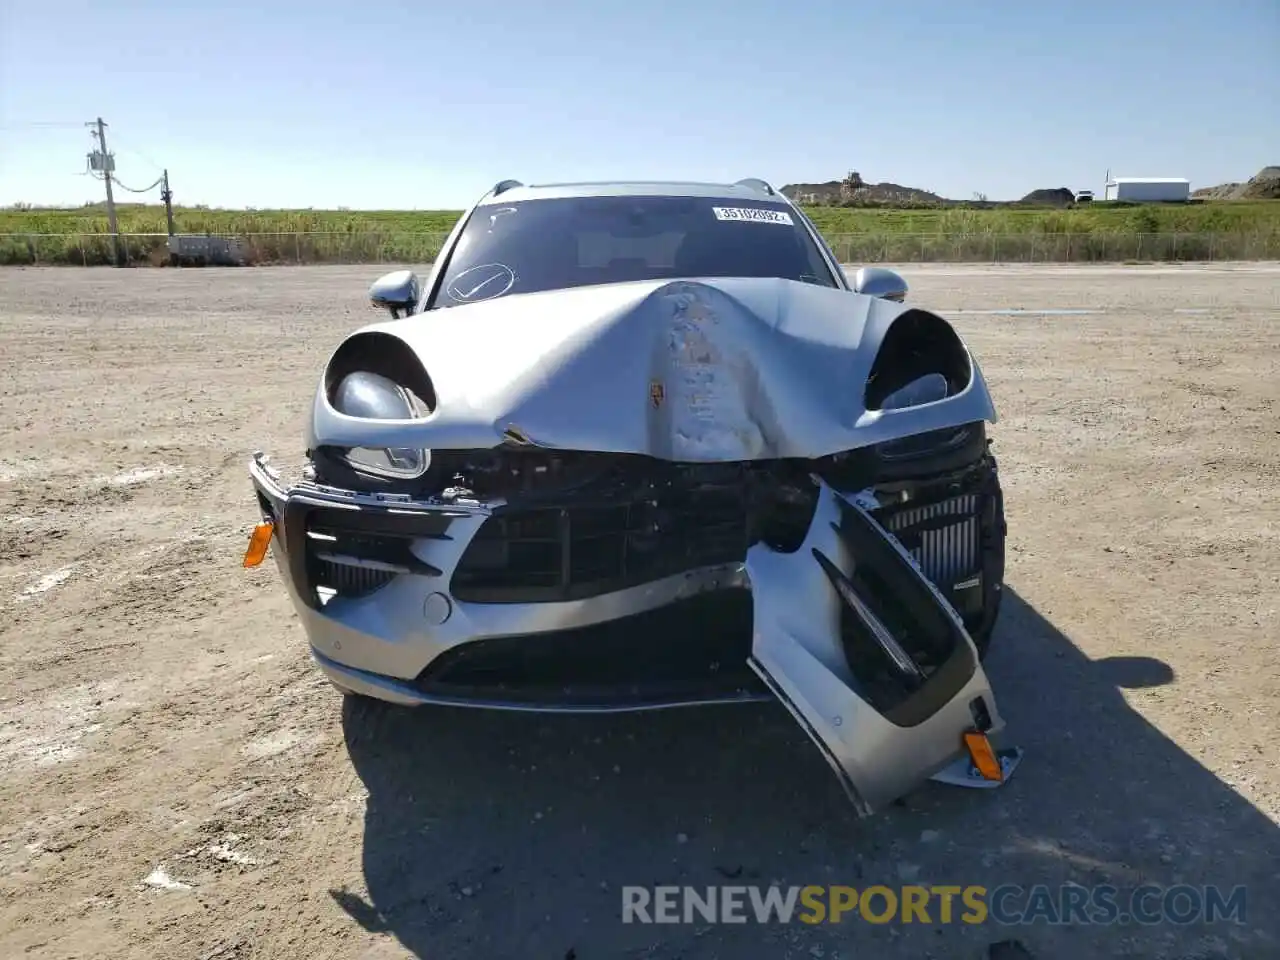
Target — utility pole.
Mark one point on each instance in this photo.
(106, 163)
(167, 195)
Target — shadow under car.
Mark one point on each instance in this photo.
(504, 834)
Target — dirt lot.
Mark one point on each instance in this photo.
(178, 782)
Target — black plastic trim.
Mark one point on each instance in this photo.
(713, 531)
(300, 511)
(922, 458)
(918, 610)
(697, 647)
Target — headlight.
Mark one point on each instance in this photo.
(402, 463)
(374, 397)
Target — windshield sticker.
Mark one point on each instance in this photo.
(484, 282)
(754, 214)
(500, 212)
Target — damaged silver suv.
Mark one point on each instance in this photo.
(636, 445)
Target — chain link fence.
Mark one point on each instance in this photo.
(95, 249)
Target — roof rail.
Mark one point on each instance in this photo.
(503, 186)
(757, 183)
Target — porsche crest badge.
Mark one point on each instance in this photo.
(657, 393)
(516, 435)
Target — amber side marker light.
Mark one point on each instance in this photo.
(983, 755)
(259, 541)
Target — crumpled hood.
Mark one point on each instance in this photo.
(705, 370)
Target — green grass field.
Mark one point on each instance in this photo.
(1223, 230)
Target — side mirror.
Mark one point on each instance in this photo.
(879, 282)
(397, 291)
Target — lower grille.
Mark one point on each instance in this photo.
(692, 649)
(351, 552)
(349, 581)
(570, 553)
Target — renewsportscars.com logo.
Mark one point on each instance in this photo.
(1008, 904)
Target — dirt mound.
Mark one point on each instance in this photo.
(869, 194)
(1223, 191)
(828, 192)
(1050, 197)
(896, 193)
(1264, 186)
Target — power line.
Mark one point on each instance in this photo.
(101, 165)
(125, 148)
(116, 181)
(17, 124)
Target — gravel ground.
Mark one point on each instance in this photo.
(177, 781)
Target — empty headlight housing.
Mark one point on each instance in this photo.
(927, 389)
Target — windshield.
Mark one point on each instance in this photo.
(551, 244)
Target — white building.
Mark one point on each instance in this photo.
(1149, 189)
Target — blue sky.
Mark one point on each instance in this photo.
(379, 104)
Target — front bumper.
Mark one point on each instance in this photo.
(845, 628)
(372, 577)
(394, 630)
